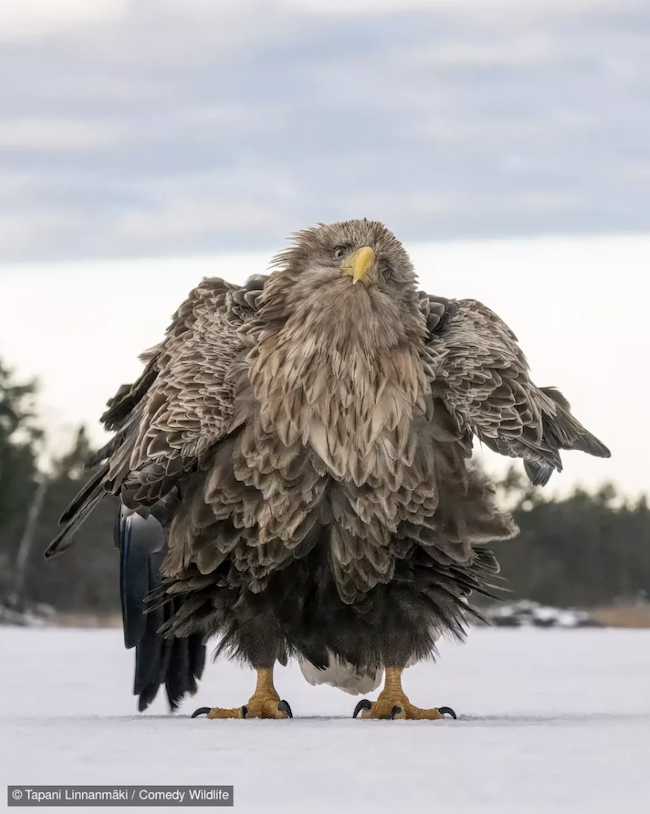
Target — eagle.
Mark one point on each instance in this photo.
(295, 473)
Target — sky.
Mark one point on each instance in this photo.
(187, 127)
(147, 143)
(579, 307)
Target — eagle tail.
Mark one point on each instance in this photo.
(341, 675)
(175, 663)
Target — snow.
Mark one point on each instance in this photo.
(549, 721)
(524, 612)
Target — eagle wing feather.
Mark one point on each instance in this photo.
(180, 406)
(480, 373)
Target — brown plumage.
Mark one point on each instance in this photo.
(305, 441)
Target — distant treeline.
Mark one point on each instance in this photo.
(582, 550)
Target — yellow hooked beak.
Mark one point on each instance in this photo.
(361, 262)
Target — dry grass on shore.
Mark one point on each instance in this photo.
(87, 620)
(632, 616)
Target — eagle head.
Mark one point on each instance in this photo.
(349, 286)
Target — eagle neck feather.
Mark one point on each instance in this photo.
(351, 404)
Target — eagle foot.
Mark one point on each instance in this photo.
(392, 703)
(257, 707)
(399, 708)
(264, 703)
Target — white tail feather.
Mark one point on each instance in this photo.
(343, 676)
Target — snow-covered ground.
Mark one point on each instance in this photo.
(550, 721)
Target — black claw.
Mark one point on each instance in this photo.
(283, 706)
(395, 711)
(244, 711)
(447, 711)
(200, 711)
(363, 704)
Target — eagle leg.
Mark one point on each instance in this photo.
(392, 703)
(264, 703)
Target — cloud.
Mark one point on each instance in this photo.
(177, 219)
(161, 126)
(21, 230)
(35, 19)
(529, 49)
(499, 13)
(46, 134)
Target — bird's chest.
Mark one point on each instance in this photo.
(349, 419)
(328, 436)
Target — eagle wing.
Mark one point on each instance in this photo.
(477, 369)
(181, 405)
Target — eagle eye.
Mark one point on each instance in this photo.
(339, 252)
(385, 268)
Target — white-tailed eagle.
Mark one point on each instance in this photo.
(295, 472)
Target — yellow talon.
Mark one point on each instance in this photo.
(264, 703)
(392, 703)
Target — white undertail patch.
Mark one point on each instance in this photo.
(342, 675)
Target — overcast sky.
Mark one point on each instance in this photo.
(202, 132)
(169, 127)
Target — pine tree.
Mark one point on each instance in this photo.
(85, 579)
(19, 446)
